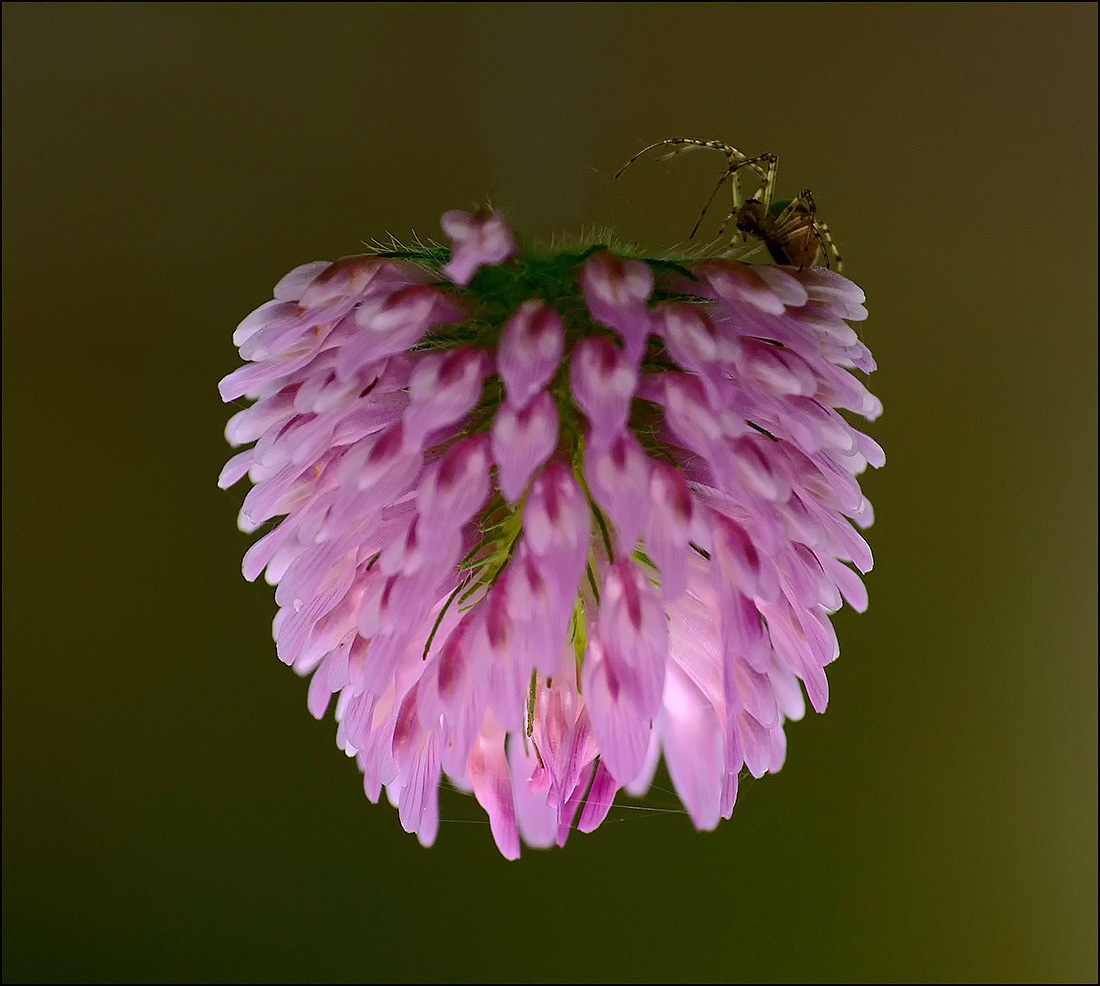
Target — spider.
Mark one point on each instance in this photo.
(790, 230)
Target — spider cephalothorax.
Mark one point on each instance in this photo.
(790, 231)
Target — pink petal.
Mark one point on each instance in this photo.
(443, 389)
(622, 732)
(740, 283)
(455, 489)
(633, 631)
(415, 753)
(618, 476)
(530, 351)
(557, 527)
(600, 798)
(785, 286)
(603, 381)
(616, 291)
(822, 284)
(401, 321)
(480, 239)
(668, 527)
(522, 441)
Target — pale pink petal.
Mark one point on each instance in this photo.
(741, 284)
(492, 782)
(452, 492)
(401, 321)
(292, 285)
(537, 820)
(415, 753)
(822, 284)
(692, 737)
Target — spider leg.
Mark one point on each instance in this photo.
(681, 144)
(767, 178)
(803, 203)
(828, 247)
(731, 175)
(735, 190)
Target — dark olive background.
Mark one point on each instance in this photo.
(170, 809)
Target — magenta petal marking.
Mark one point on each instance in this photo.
(538, 613)
(563, 739)
(739, 562)
(694, 344)
(694, 423)
(400, 322)
(358, 276)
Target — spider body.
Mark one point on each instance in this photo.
(790, 231)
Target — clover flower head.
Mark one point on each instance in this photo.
(548, 517)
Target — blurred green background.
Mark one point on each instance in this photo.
(170, 809)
